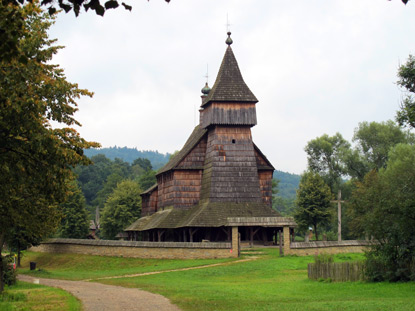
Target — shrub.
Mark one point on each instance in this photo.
(323, 258)
(9, 273)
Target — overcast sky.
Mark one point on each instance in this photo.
(316, 66)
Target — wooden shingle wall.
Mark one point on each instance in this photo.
(165, 189)
(265, 182)
(149, 203)
(187, 185)
(230, 173)
(229, 114)
(196, 158)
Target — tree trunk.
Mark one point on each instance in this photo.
(315, 231)
(18, 254)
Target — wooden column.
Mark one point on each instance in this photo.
(287, 241)
(251, 237)
(235, 242)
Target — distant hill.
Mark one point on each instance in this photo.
(288, 184)
(130, 154)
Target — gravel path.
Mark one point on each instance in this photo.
(100, 297)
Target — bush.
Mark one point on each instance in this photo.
(384, 264)
(323, 258)
(9, 273)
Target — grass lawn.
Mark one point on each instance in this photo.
(80, 267)
(271, 283)
(267, 283)
(27, 296)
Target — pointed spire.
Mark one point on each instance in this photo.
(229, 85)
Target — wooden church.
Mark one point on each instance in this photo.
(220, 179)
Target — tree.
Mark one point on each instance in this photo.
(75, 222)
(121, 209)
(374, 141)
(385, 207)
(145, 164)
(406, 75)
(35, 159)
(313, 202)
(325, 157)
(147, 180)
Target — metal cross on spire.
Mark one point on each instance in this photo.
(207, 73)
(228, 25)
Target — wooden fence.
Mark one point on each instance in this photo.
(337, 271)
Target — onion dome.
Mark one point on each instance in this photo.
(229, 40)
(206, 89)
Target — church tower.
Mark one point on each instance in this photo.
(228, 113)
(220, 179)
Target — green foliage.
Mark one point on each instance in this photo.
(74, 223)
(323, 258)
(284, 206)
(324, 156)
(121, 209)
(383, 207)
(313, 202)
(35, 159)
(147, 180)
(130, 155)
(9, 273)
(373, 141)
(99, 180)
(288, 184)
(406, 75)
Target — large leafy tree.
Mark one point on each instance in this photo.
(373, 142)
(325, 157)
(313, 202)
(35, 159)
(75, 222)
(121, 209)
(384, 203)
(406, 75)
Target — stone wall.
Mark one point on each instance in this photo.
(326, 247)
(161, 250)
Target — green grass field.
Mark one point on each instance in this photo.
(80, 267)
(267, 283)
(27, 296)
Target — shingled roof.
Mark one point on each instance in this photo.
(229, 85)
(191, 142)
(209, 214)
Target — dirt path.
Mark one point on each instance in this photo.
(100, 297)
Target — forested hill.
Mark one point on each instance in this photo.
(130, 154)
(288, 183)
(287, 186)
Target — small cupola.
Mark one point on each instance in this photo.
(206, 90)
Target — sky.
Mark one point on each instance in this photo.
(316, 66)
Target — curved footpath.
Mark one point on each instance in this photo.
(101, 297)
